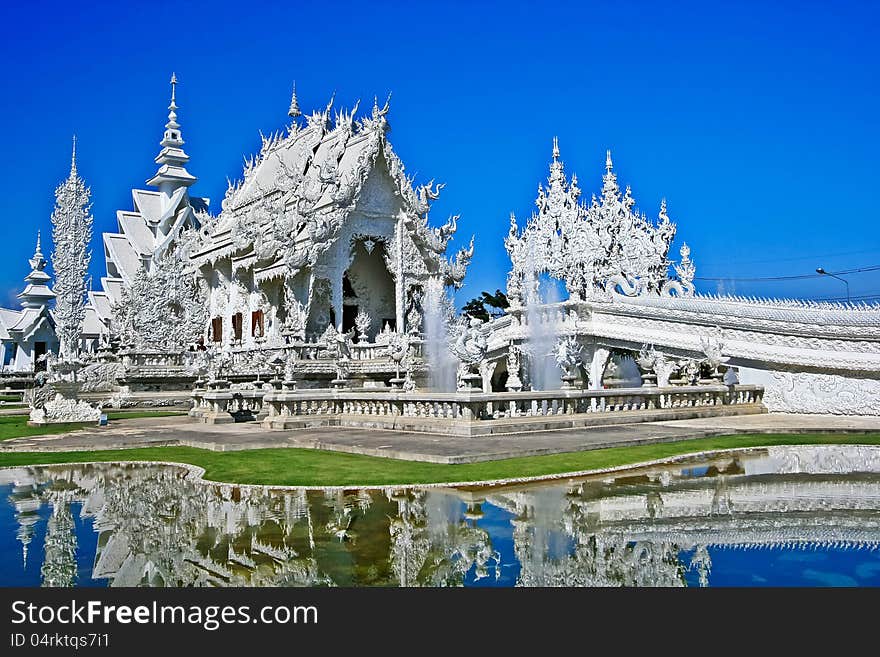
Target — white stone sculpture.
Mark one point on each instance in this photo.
(664, 368)
(690, 370)
(713, 350)
(64, 409)
(72, 235)
(514, 382)
(568, 355)
(647, 359)
(362, 323)
(397, 349)
(469, 345)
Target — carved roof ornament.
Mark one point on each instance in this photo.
(606, 245)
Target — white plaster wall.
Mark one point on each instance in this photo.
(810, 392)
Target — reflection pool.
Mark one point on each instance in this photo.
(780, 516)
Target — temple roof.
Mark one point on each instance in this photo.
(37, 293)
(22, 324)
(297, 192)
(156, 220)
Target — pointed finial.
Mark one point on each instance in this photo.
(37, 261)
(380, 112)
(555, 148)
(294, 110)
(172, 115)
(608, 164)
(173, 86)
(72, 160)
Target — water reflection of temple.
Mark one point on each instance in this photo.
(157, 528)
(651, 527)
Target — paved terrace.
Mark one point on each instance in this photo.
(181, 430)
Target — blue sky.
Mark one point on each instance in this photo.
(757, 121)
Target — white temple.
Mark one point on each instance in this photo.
(325, 225)
(322, 264)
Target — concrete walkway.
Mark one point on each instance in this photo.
(181, 430)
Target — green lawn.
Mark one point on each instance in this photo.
(304, 467)
(16, 426)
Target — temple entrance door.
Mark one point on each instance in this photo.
(368, 286)
(348, 314)
(39, 350)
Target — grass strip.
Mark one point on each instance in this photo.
(305, 467)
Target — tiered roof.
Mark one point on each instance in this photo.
(35, 298)
(156, 220)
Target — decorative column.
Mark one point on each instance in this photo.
(399, 283)
(336, 298)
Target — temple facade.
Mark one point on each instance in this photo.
(325, 229)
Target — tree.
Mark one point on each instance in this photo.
(71, 235)
(477, 307)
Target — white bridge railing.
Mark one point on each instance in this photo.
(468, 406)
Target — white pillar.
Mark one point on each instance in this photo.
(336, 300)
(399, 283)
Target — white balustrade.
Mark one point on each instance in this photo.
(499, 405)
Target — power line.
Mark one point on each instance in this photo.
(787, 278)
(818, 256)
(862, 297)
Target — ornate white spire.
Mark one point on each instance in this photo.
(71, 235)
(172, 159)
(37, 261)
(557, 175)
(610, 188)
(172, 107)
(72, 167)
(294, 110)
(685, 269)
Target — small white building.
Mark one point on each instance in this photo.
(29, 333)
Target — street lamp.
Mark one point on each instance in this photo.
(821, 271)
